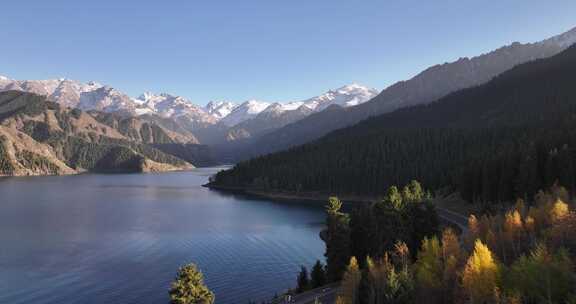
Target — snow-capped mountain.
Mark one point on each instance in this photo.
(346, 96)
(278, 115)
(248, 118)
(220, 109)
(167, 105)
(247, 110)
(74, 94)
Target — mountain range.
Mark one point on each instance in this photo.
(222, 117)
(238, 131)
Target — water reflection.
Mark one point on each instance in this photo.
(120, 238)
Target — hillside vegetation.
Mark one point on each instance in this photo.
(495, 142)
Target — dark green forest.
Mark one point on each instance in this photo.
(495, 142)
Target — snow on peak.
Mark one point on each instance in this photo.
(346, 96)
(247, 110)
(220, 109)
(168, 105)
(95, 96)
(254, 106)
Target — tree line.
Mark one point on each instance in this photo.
(493, 143)
(524, 255)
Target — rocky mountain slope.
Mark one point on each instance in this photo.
(39, 137)
(217, 122)
(277, 115)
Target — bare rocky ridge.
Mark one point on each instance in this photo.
(217, 122)
(39, 137)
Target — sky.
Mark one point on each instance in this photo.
(259, 49)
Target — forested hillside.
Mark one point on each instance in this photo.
(495, 142)
(426, 87)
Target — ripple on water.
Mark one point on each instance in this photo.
(126, 236)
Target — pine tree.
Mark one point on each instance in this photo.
(543, 277)
(337, 240)
(559, 211)
(350, 283)
(189, 288)
(318, 275)
(481, 275)
(452, 259)
(429, 271)
(394, 197)
(474, 231)
(303, 280)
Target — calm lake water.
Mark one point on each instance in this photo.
(121, 238)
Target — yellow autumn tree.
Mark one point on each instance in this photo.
(350, 283)
(429, 271)
(513, 232)
(481, 275)
(452, 257)
(401, 255)
(559, 211)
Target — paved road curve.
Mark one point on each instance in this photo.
(454, 218)
(325, 295)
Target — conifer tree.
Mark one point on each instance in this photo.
(481, 274)
(189, 287)
(337, 240)
(452, 259)
(429, 271)
(303, 280)
(543, 277)
(318, 275)
(558, 211)
(349, 288)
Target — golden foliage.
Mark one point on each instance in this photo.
(350, 283)
(558, 211)
(450, 244)
(402, 255)
(429, 268)
(481, 274)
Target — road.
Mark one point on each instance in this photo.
(325, 295)
(454, 218)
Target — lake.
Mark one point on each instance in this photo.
(121, 238)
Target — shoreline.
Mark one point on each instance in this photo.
(450, 216)
(292, 196)
(87, 172)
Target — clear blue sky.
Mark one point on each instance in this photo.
(266, 49)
